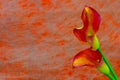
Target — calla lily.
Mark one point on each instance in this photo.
(91, 56)
(87, 57)
(87, 33)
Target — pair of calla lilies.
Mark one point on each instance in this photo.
(92, 56)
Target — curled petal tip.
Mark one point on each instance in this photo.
(79, 33)
(87, 9)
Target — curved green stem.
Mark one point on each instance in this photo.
(108, 64)
(110, 76)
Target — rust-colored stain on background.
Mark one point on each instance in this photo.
(37, 40)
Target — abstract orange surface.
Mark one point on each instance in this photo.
(37, 40)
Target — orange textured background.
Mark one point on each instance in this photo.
(37, 40)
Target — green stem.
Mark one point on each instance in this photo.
(110, 76)
(108, 64)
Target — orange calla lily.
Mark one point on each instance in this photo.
(91, 20)
(87, 33)
(87, 57)
(91, 56)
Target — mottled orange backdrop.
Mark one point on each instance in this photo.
(37, 40)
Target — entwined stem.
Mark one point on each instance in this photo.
(108, 64)
(110, 76)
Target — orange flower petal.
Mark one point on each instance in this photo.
(87, 57)
(91, 18)
(80, 34)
